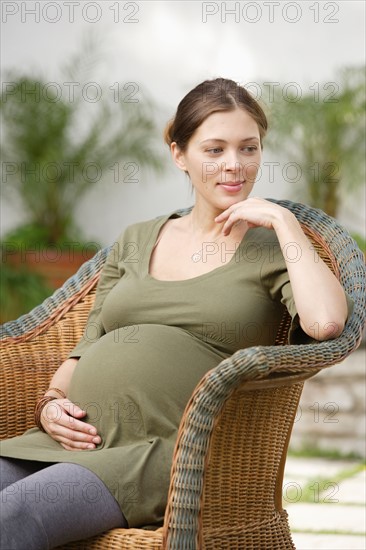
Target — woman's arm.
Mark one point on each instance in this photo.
(319, 297)
(62, 377)
(60, 417)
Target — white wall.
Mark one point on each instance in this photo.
(172, 46)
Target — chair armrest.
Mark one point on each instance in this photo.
(181, 525)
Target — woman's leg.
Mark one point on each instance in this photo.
(56, 505)
(13, 469)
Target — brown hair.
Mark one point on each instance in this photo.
(211, 96)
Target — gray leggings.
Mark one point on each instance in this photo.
(46, 505)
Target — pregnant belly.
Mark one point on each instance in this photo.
(135, 383)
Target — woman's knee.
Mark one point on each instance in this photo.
(62, 494)
(22, 526)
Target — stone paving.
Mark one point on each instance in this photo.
(325, 500)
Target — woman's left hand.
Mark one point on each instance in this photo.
(255, 212)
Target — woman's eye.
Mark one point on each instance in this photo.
(214, 150)
(246, 149)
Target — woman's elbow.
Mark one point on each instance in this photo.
(324, 330)
(332, 329)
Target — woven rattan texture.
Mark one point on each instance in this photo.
(231, 444)
(28, 365)
(237, 497)
(121, 539)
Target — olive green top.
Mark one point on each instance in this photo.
(146, 346)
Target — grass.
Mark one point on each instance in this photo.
(322, 490)
(329, 532)
(309, 451)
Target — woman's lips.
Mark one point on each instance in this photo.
(232, 186)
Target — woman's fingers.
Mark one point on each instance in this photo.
(254, 211)
(231, 216)
(59, 419)
(71, 441)
(66, 413)
(72, 409)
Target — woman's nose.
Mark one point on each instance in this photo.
(231, 163)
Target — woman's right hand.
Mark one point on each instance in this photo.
(60, 419)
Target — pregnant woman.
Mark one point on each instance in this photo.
(177, 295)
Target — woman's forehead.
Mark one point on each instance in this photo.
(224, 123)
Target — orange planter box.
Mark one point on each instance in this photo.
(54, 264)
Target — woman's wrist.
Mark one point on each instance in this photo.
(285, 221)
(288, 230)
(55, 392)
(41, 403)
(50, 395)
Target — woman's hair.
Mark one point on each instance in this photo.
(211, 96)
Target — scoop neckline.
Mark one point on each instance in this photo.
(149, 249)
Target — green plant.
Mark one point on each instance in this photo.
(57, 145)
(360, 240)
(324, 134)
(20, 291)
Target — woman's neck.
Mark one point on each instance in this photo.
(203, 226)
(202, 219)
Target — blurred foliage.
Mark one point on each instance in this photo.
(323, 131)
(36, 237)
(59, 141)
(360, 240)
(20, 291)
(57, 146)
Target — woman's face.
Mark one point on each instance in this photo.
(222, 158)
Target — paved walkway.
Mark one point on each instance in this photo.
(325, 500)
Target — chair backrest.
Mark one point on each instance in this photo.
(341, 252)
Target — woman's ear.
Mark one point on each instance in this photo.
(178, 156)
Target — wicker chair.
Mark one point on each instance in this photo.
(227, 472)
